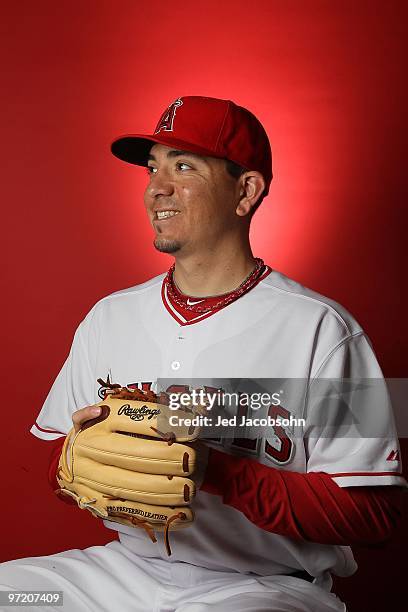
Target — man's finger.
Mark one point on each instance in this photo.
(80, 416)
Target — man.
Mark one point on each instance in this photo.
(275, 513)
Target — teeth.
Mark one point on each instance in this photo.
(165, 214)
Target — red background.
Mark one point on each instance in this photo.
(327, 80)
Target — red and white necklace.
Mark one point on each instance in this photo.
(213, 303)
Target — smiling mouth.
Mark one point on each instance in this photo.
(166, 214)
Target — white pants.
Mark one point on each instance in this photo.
(111, 577)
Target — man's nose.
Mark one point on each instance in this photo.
(160, 184)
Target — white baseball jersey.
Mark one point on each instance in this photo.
(278, 330)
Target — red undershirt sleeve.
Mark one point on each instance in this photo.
(307, 506)
(53, 462)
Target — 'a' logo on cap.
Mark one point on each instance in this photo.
(167, 118)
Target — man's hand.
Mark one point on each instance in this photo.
(80, 416)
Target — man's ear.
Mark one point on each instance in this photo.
(251, 188)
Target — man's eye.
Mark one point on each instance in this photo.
(151, 170)
(183, 166)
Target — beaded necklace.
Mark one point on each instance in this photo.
(211, 302)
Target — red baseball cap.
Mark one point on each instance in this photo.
(208, 127)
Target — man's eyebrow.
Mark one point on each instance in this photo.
(177, 153)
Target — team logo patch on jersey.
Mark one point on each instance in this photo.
(166, 121)
(393, 456)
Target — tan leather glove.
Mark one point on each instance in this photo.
(131, 466)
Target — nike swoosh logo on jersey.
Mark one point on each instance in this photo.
(190, 303)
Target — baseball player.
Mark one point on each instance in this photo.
(276, 514)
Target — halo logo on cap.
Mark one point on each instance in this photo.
(167, 118)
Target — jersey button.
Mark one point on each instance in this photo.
(175, 365)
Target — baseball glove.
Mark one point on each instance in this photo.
(130, 466)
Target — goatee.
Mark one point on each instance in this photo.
(166, 246)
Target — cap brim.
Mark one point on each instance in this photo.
(135, 148)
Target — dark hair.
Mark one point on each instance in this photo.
(235, 170)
